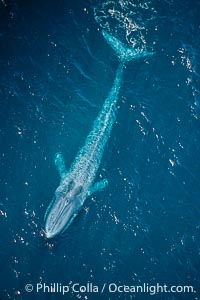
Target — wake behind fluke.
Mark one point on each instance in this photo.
(78, 183)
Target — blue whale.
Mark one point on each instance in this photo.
(78, 183)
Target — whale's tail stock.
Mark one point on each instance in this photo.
(124, 53)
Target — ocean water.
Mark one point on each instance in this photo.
(56, 71)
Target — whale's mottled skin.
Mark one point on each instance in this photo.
(78, 183)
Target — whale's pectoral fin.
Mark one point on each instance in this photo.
(98, 186)
(60, 164)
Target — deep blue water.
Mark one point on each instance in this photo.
(56, 70)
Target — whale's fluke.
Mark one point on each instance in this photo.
(124, 53)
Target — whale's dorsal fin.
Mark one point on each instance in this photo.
(98, 186)
(60, 164)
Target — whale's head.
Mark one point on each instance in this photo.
(66, 204)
